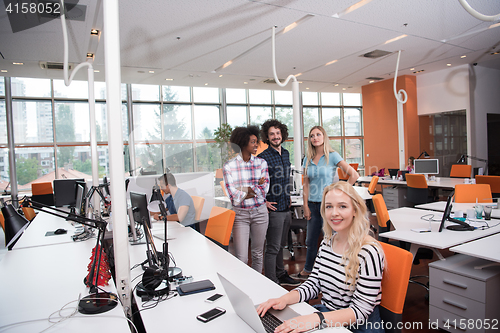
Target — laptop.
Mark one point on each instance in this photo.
(246, 310)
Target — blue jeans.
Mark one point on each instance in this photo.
(314, 230)
(373, 323)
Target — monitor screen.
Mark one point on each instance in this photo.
(139, 203)
(80, 198)
(447, 211)
(426, 166)
(65, 192)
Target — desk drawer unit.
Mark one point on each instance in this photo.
(462, 298)
(395, 197)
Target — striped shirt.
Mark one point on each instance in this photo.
(238, 173)
(328, 277)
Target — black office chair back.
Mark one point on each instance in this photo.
(417, 196)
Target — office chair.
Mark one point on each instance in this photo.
(219, 175)
(394, 285)
(297, 224)
(345, 176)
(383, 219)
(198, 206)
(460, 171)
(43, 193)
(493, 181)
(223, 187)
(2, 221)
(29, 213)
(373, 184)
(470, 192)
(220, 225)
(417, 191)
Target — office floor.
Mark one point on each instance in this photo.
(416, 310)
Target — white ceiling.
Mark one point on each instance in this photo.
(188, 40)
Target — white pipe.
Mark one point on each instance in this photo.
(297, 132)
(115, 143)
(401, 129)
(476, 14)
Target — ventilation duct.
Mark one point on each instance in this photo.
(54, 65)
(375, 54)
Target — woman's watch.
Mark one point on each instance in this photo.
(322, 321)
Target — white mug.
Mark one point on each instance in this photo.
(466, 181)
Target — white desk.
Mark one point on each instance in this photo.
(404, 219)
(36, 282)
(444, 182)
(484, 248)
(441, 205)
(202, 259)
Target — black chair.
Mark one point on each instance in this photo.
(297, 225)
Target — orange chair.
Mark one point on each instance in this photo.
(223, 187)
(198, 206)
(42, 193)
(345, 176)
(373, 184)
(220, 225)
(394, 285)
(493, 181)
(471, 192)
(383, 219)
(417, 191)
(29, 213)
(2, 221)
(219, 174)
(460, 171)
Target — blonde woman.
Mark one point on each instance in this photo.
(347, 271)
(320, 166)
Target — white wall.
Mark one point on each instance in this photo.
(485, 98)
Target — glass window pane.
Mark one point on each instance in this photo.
(258, 96)
(207, 157)
(176, 94)
(352, 122)
(328, 98)
(72, 122)
(288, 145)
(237, 96)
(331, 121)
(147, 122)
(148, 158)
(76, 89)
(31, 164)
(177, 122)
(206, 121)
(237, 116)
(337, 146)
(179, 157)
(259, 114)
(206, 95)
(124, 122)
(285, 115)
(309, 98)
(80, 165)
(30, 87)
(283, 97)
(101, 125)
(311, 119)
(351, 99)
(32, 121)
(100, 90)
(4, 169)
(3, 123)
(103, 156)
(354, 151)
(2, 87)
(145, 92)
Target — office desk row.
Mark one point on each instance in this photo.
(445, 183)
(39, 280)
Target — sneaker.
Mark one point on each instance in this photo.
(286, 280)
(301, 276)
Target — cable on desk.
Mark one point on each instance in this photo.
(429, 218)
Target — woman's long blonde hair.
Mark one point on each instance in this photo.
(358, 232)
(311, 150)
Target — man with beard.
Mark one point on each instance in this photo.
(278, 201)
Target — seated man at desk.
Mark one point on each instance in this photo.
(182, 209)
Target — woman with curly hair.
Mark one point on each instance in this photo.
(347, 271)
(246, 179)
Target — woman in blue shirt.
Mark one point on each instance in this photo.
(320, 166)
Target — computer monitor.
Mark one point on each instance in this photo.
(427, 166)
(139, 203)
(393, 172)
(65, 192)
(81, 190)
(462, 226)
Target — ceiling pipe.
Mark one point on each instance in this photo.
(400, 100)
(478, 15)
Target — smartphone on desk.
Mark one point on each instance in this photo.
(213, 298)
(211, 314)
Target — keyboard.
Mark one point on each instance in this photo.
(270, 322)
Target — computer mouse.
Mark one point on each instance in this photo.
(60, 231)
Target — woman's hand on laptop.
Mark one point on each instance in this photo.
(275, 303)
(299, 324)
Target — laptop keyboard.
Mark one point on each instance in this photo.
(270, 322)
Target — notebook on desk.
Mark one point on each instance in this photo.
(246, 310)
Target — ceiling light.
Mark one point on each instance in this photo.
(220, 75)
(289, 27)
(307, 88)
(331, 62)
(343, 88)
(206, 84)
(464, 56)
(448, 65)
(395, 39)
(245, 82)
(296, 23)
(169, 79)
(96, 71)
(227, 64)
(471, 32)
(94, 32)
(493, 53)
(412, 69)
(90, 55)
(18, 63)
(3, 71)
(494, 25)
(351, 8)
(151, 72)
(371, 81)
(336, 84)
(298, 74)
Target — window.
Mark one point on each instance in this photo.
(206, 121)
(76, 89)
(145, 92)
(237, 116)
(176, 94)
(236, 96)
(259, 114)
(177, 122)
